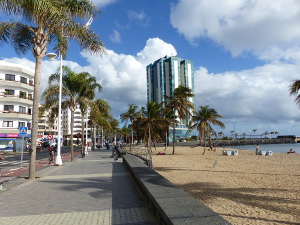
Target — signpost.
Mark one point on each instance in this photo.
(22, 132)
(50, 136)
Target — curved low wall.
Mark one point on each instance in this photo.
(169, 203)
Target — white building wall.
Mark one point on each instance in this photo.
(149, 84)
(167, 78)
(158, 83)
(176, 74)
(14, 99)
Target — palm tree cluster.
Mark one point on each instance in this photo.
(152, 123)
(78, 90)
(44, 22)
(203, 121)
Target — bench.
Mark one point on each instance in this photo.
(168, 203)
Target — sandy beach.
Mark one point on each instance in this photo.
(243, 189)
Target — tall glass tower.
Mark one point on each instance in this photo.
(163, 77)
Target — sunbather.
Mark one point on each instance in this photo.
(292, 151)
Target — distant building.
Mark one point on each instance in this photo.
(16, 102)
(66, 125)
(163, 77)
(47, 129)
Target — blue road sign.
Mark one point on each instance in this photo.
(23, 130)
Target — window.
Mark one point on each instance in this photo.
(22, 109)
(29, 111)
(29, 126)
(8, 108)
(24, 80)
(9, 92)
(22, 94)
(40, 133)
(42, 127)
(7, 123)
(21, 124)
(10, 77)
(30, 96)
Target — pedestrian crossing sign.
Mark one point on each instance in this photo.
(23, 130)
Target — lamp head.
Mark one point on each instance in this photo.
(51, 56)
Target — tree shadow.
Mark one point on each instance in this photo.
(254, 197)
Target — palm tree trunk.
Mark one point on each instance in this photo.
(166, 141)
(72, 133)
(204, 144)
(82, 133)
(149, 139)
(131, 142)
(35, 114)
(173, 136)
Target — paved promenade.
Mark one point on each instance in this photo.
(92, 190)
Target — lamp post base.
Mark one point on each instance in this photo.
(58, 161)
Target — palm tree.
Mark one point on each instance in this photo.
(180, 104)
(152, 122)
(266, 133)
(254, 130)
(130, 115)
(221, 134)
(294, 90)
(100, 112)
(232, 133)
(203, 121)
(85, 101)
(125, 132)
(72, 90)
(47, 22)
(244, 134)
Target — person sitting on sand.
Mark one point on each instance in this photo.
(292, 151)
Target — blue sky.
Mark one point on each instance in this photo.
(245, 55)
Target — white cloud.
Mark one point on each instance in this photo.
(133, 15)
(103, 3)
(260, 95)
(115, 37)
(155, 48)
(257, 98)
(239, 26)
(124, 76)
(140, 17)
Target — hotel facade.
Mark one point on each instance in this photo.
(16, 102)
(163, 77)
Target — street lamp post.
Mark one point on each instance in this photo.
(58, 160)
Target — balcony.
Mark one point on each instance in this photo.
(16, 98)
(18, 84)
(15, 115)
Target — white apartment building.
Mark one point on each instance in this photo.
(66, 125)
(46, 129)
(16, 101)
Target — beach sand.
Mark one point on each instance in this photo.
(243, 189)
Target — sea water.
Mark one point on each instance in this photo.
(282, 148)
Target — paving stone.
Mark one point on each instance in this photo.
(92, 190)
